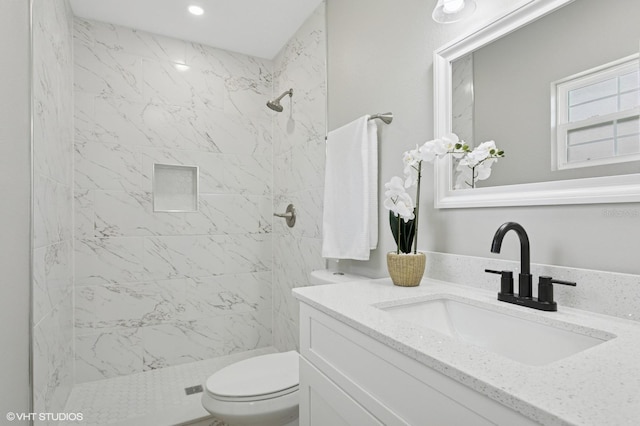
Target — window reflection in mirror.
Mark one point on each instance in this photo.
(596, 119)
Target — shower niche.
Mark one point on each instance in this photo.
(175, 188)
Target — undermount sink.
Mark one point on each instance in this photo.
(519, 339)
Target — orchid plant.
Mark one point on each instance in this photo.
(472, 165)
(475, 165)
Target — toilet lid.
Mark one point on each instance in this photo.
(255, 377)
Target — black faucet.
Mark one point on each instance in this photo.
(544, 301)
(524, 278)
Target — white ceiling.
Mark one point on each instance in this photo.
(253, 27)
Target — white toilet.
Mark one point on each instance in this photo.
(263, 390)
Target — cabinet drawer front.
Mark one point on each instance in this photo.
(376, 375)
(323, 403)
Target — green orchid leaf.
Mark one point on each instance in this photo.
(393, 222)
(409, 232)
(403, 232)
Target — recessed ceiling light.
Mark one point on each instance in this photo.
(181, 66)
(196, 10)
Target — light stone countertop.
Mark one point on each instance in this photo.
(598, 386)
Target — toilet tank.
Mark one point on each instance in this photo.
(325, 276)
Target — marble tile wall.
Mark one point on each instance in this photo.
(299, 152)
(462, 114)
(52, 208)
(156, 289)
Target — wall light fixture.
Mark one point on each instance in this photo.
(449, 11)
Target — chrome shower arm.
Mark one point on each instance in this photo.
(275, 104)
(279, 98)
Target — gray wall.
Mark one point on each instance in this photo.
(380, 58)
(15, 182)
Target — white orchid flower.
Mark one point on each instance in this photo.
(455, 146)
(397, 200)
(482, 151)
(430, 150)
(449, 141)
(476, 165)
(411, 161)
(411, 157)
(464, 177)
(487, 146)
(410, 176)
(394, 187)
(483, 170)
(404, 208)
(401, 205)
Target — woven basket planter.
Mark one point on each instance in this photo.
(406, 269)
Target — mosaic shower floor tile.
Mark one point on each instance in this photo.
(152, 398)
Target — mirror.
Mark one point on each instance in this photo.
(498, 83)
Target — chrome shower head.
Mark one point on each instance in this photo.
(275, 104)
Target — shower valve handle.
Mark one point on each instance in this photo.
(286, 215)
(289, 215)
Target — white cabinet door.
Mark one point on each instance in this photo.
(322, 403)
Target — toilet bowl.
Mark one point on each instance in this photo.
(263, 390)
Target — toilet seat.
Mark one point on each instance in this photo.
(256, 379)
(255, 397)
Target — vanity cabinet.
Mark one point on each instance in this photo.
(349, 378)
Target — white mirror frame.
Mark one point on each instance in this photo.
(610, 189)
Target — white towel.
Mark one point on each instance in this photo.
(350, 217)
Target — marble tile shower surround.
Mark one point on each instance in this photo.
(607, 293)
(52, 260)
(299, 152)
(160, 289)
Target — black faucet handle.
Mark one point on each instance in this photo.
(506, 280)
(545, 288)
(571, 283)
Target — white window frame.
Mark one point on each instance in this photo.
(560, 126)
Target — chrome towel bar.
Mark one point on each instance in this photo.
(386, 117)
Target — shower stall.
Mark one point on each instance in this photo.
(157, 168)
